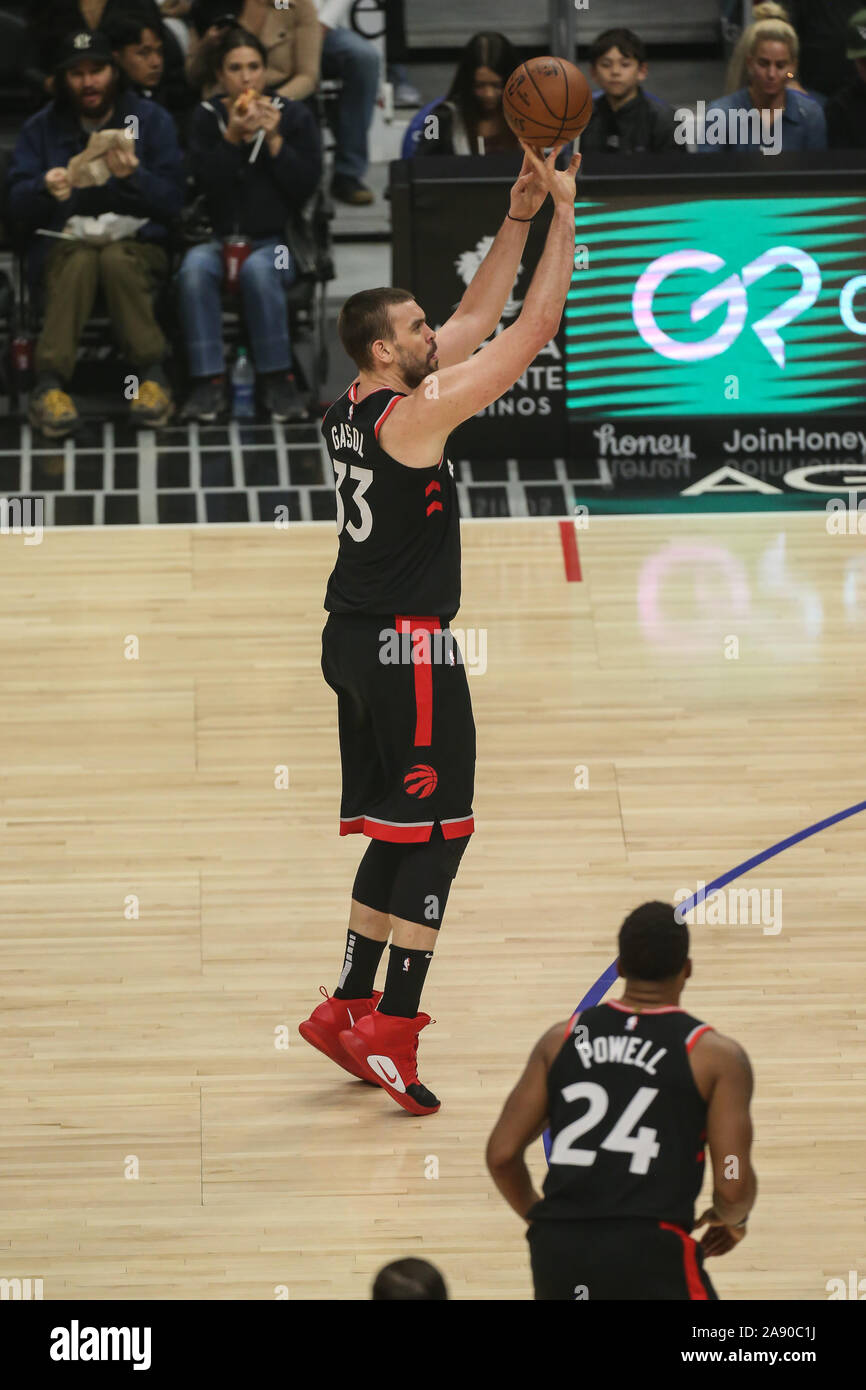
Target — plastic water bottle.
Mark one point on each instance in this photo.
(243, 387)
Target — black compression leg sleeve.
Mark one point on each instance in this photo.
(424, 877)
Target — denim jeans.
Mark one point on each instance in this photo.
(355, 60)
(263, 294)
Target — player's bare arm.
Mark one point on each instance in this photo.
(416, 430)
(724, 1074)
(480, 309)
(523, 1119)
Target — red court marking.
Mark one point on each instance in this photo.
(568, 536)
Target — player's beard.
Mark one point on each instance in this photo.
(412, 369)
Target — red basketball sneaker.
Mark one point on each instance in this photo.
(322, 1029)
(385, 1049)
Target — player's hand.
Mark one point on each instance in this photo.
(559, 183)
(719, 1238)
(528, 192)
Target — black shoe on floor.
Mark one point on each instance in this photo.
(283, 399)
(207, 400)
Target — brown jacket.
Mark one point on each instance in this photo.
(292, 38)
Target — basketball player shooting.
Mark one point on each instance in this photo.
(407, 735)
(631, 1090)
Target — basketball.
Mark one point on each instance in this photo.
(547, 101)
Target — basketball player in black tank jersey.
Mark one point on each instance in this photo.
(407, 737)
(631, 1091)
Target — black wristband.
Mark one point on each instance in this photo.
(520, 219)
(738, 1225)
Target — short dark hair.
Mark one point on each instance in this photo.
(238, 38)
(411, 1280)
(626, 40)
(365, 317)
(653, 945)
(127, 28)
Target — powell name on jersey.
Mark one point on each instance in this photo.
(398, 527)
(627, 1122)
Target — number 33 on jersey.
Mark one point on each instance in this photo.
(398, 527)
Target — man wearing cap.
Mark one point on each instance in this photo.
(105, 228)
(846, 111)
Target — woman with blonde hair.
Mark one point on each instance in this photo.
(764, 65)
(768, 22)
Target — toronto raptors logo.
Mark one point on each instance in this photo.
(420, 780)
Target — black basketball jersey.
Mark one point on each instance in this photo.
(398, 527)
(627, 1122)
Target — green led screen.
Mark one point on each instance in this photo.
(717, 306)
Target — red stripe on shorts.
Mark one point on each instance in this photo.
(423, 676)
(694, 1283)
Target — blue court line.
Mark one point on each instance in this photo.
(597, 991)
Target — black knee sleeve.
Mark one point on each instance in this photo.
(423, 879)
(374, 881)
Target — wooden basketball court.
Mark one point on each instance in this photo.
(171, 906)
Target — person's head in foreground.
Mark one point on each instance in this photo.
(411, 1280)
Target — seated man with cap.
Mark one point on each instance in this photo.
(95, 180)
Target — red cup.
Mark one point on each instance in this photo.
(235, 251)
(21, 349)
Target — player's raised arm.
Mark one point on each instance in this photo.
(480, 309)
(418, 428)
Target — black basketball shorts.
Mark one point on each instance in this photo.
(407, 736)
(628, 1259)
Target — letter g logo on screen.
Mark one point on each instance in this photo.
(731, 292)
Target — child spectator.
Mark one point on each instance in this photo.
(789, 120)
(113, 223)
(256, 158)
(291, 37)
(624, 120)
(470, 119)
(846, 111)
(354, 60)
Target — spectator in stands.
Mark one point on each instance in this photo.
(175, 14)
(291, 37)
(846, 111)
(738, 73)
(766, 113)
(113, 219)
(822, 29)
(139, 51)
(409, 1280)
(53, 20)
(354, 60)
(470, 119)
(256, 160)
(624, 120)
(396, 52)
